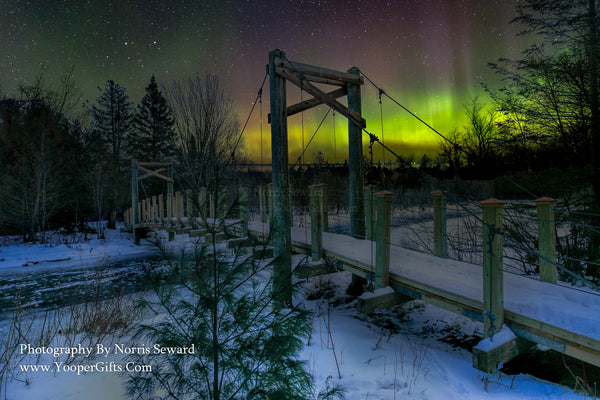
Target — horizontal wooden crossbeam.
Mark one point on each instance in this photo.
(317, 93)
(151, 164)
(310, 103)
(318, 74)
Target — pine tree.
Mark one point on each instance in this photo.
(112, 122)
(243, 346)
(154, 138)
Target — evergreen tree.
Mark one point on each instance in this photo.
(239, 346)
(111, 124)
(153, 135)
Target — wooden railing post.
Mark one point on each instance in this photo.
(170, 208)
(135, 214)
(178, 206)
(270, 201)
(324, 208)
(546, 239)
(493, 279)
(440, 248)
(262, 203)
(212, 206)
(243, 199)
(370, 211)
(223, 205)
(316, 221)
(202, 202)
(161, 208)
(382, 238)
(154, 209)
(189, 207)
(144, 211)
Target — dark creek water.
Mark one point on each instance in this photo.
(59, 288)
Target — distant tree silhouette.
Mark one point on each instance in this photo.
(206, 129)
(551, 95)
(111, 130)
(153, 138)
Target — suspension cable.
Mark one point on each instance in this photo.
(313, 136)
(261, 125)
(455, 145)
(258, 97)
(334, 141)
(381, 120)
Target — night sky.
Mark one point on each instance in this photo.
(429, 55)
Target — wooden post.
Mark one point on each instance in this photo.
(262, 203)
(161, 208)
(144, 211)
(212, 205)
(270, 201)
(281, 233)
(493, 279)
(382, 238)
(189, 207)
(324, 208)
(316, 221)
(178, 206)
(170, 208)
(243, 199)
(134, 201)
(154, 209)
(546, 239)
(370, 211)
(440, 248)
(356, 180)
(223, 205)
(291, 205)
(202, 203)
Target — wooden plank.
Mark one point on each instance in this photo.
(575, 345)
(488, 361)
(313, 72)
(310, 103)
(339, 107)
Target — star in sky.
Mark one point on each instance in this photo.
(431, 55)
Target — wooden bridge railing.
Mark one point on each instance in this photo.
(378, 226)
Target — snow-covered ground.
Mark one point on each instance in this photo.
(116, 247)
(374, 362)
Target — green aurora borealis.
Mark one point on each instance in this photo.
(430, 55)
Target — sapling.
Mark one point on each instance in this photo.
(244, 347)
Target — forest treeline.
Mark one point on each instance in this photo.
(63, 165)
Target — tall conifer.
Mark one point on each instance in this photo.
(153, 127)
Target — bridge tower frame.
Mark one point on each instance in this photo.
(280, 70)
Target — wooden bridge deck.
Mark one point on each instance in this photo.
(562, 318)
